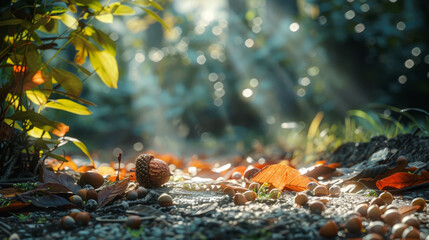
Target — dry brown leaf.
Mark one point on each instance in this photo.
(109, 193)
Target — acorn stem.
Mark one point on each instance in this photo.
(119, 167)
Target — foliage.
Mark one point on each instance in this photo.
(34, 33)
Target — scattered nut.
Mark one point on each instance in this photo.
(410, 233)
(239, 199)
(317, 207)
(321, 191)
(133, 222)
(374, 213)
(76, 200)
(301, 198)
(67, 223)
(362, 209)
(274, 193)
(335, 191)
(92, 178)
(73, 212)
(236, 175)
(311, 186)
(377, 201)
(82, 193)
(373, 236)
(142, 192)
(387, 197)
(151, 172)
(250, 195)
(354, 225)
(254, 186)
(165, 200)
(419, 202)
(132, 195)
(250, 173)
(411, 221)
(329, 230)
(82, 218)
(91, 194)
(392, 217)
(229, 191)
(378, 227)
(398, 229)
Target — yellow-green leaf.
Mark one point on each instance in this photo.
(105, 66)
(50, 27)
(69, 21)
(80, 145)
(156, 5)
(70, 82)
(105, 17)
(68, 106)
(156, 17)
(37, 96)
(38, 133)
(94, 4)
(12, 123)
(102, 39)
(123, 10)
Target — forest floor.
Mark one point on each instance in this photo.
(202, 211)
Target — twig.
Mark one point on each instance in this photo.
(5, 228)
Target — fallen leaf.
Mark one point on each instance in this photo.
(283, 177)
(109, 193)
(60, 178)
(10, 192)
(105, 170)
(144, 210)
(321, 170)
(13, 206)
(205, 208)
(54, 188)
(85, 168)
(353, 187)
(43, 198)
(402, 179)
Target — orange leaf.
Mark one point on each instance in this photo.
(104, 170)
(13, 206)
(402, 179)
(283, 177)
(34, 81)
(61, 130)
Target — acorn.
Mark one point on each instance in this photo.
(329, 230)
(92, 178)
(239, 199)
(165, 200)
(420, 202)
(374, 213)
(250, 195)
(354, 225)
(151, 172)
(76, 200)
(132, 195)
(398, 229)
(317, 207)
(377, 201)
(254, 186)
(392, 217)
(321, 191)
(411, 221)
(387, 197)
(378, 227)
(335, 191)
(250, 173)
(373, 236)
(362, 209)
(410, 233)
(274, 193)
(73, 212)
(91, 194)
(142, 192)
(133, 222)
(82, 193)
(311, 186)
(67, 223)
(82, 218)
(301, 199)
(229, 191)
(236, 175)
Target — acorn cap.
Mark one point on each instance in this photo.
(151, 172)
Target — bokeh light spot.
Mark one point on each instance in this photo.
(294, 27)
(254, 82)
(359, 28)
(249, 43)
(247, 92)
(138, 146)
(409, 63)
(400, 26)
(402, 79)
